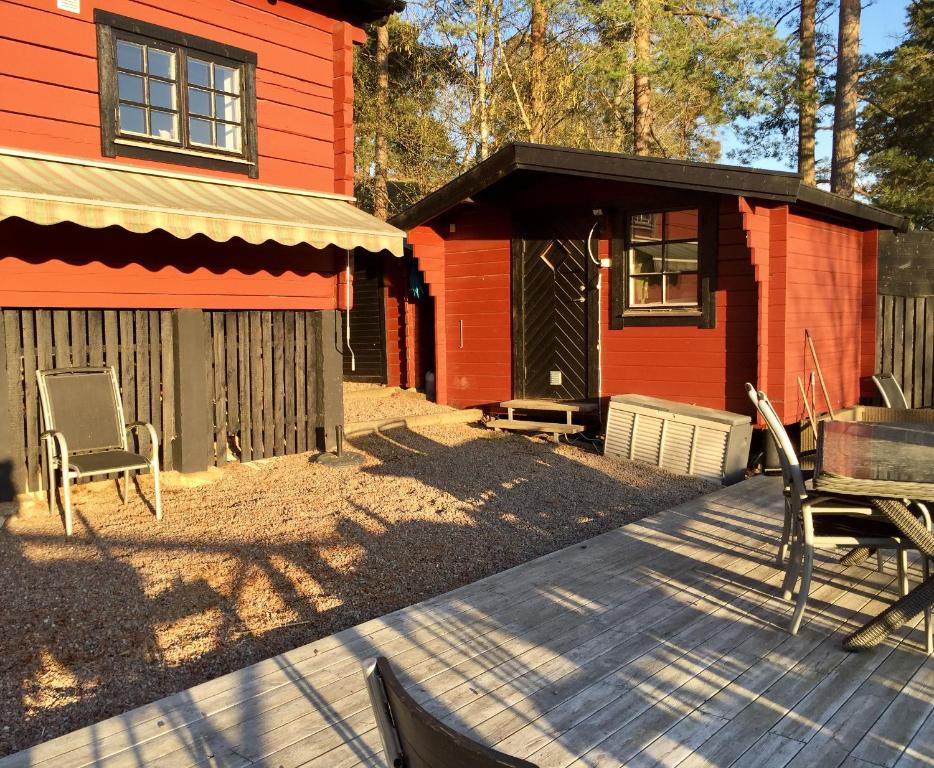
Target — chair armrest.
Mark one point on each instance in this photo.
(922, 511)
(133, 426)
(58, 439)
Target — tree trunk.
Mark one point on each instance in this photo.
(479, 58)
(843, 163)
(537, 72)
(807, 92)
(641, 86)
(381, 149)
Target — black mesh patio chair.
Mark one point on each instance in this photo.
(84, 432)
(822, 521)
(890, 390)
(412, 738)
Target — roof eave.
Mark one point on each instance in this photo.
(443, 199)
(778, 186)
(851, 208)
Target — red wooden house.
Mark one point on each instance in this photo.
(175, 184)
(570, 274)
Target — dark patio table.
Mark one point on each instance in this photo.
(887, 462)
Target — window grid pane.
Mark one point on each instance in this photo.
(664, 259)
(214, 104)
(147, 94)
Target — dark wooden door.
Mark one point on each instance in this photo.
(554, 308)
(367, 323)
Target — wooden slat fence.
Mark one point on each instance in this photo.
(138, 343)
(905, 313)
(264, 383)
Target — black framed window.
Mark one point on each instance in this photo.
(174, 97)
(664, 264)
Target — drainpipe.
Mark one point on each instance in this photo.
(598, 214)
(347, 300)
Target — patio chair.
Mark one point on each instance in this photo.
(84, 432)
(822, 521)
(890, 390)
(412, 738)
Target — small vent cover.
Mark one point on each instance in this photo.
(554, 378)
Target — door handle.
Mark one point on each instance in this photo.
(461, 325)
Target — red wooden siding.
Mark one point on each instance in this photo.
(429, 249)
(867, 354)
(477, 294)
(703, 366)
(824, 294)
(70, 266)
(755, 237)
(707, 367)
(49, 88)
(394, 292)
(779, 271)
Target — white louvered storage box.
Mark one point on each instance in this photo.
(687, 439)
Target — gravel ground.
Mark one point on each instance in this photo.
(275, 555)
(397, 405)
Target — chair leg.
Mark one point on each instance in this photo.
(158, 491)
(928, 630)
(879, 560)
(125, 491)
(803, 591)
(786, 534)
(53, 500)
(902, 558)
(66, 494)
(792, 570)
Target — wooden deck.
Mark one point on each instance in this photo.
(660, 643)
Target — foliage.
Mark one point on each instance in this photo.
(771, 131)
(896, 131)
(710, 62)
(421, 155)
(462, 84)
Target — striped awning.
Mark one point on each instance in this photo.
(47, 189)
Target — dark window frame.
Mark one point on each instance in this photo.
(705, 314)
(110, 28)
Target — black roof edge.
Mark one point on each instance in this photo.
(486, 173)
(851, 208)
(781, 186)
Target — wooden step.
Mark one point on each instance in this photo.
(536, 426)
(550, 405)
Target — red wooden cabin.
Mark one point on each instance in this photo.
(570, 274)
(180, 160)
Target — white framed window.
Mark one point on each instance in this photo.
(663, 260)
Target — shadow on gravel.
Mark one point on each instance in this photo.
(85, 624)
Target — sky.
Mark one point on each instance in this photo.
(882, 23)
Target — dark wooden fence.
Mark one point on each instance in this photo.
(265, 383)
(905, 313)
(216, 385)
(137, 343)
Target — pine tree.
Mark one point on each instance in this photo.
(843, 161)
(807, 91)
(896, 127)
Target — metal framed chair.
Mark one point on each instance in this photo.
(85, 434)
(890, 390)
(412, 738)
(821, 521)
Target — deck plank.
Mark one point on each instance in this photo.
(919, 753)
(660, 643)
